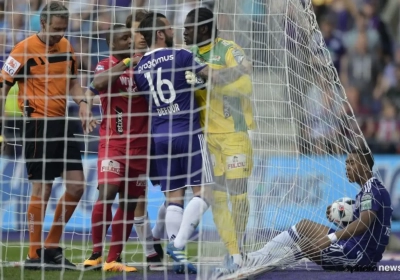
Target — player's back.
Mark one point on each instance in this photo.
(125, 112)
(374, 196)
(160, 74)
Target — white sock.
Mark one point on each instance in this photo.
(159, 228)
(143, 230)
(237, 259)
(191, 218)
(281, 246)
(173, 220)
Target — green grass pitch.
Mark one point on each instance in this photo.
(14, 253)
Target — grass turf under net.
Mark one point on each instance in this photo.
(13, 255)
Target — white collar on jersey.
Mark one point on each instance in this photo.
(153, 51)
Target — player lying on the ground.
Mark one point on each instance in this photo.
(230, 116)
(360, 243)
(47, 157)
(122, 160)
(177, 134)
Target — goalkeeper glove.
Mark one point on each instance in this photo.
(193, 79)
(190, 77)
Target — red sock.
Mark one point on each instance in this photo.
(101, 220)
(121, 229)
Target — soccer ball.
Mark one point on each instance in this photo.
(342, 211)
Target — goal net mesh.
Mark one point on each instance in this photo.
(305, 125)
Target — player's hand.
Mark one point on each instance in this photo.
(85, 114)
(328, 213)
(190, 77)
(2, 144)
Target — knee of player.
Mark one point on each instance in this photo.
(128, 205)
(140, 209)
(107, 192)
(76, 189)
(237, 186)
(303, 225)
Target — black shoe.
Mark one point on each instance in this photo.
(32, 264)
(159, 250)
(155, 263)
(54, 257)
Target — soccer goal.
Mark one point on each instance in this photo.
(304, 127)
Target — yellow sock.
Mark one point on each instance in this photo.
(224, 222)
(240, 214)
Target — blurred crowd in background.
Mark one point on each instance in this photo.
(365, 50)
(364, 47)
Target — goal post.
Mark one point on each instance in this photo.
(304, 128)
(305, 125)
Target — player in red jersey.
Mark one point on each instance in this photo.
(122, 159)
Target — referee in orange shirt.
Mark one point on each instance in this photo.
(45, 67)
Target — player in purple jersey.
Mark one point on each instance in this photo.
(183, 159)
(359, 245)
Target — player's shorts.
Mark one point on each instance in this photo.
(231, 154)
(183, 162)
(50, 148)
(123, 168)
(343, 254)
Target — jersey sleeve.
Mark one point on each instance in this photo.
(101, 67)
(13, 67)
(243, 85)
(74, 66)
(371, 199)
(190, 62)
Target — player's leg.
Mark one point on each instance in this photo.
(222, 215)
(101, 221)
(152, 250)
(121, 227)
(198, 169)
(238, 158)
(158, 230)
(72, 173)
(144, 232)
(35, 215)
(110, 177)
(291, 244)
(41, 172)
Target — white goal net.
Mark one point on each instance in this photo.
(304, 128)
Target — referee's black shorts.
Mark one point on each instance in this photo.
(50, 148)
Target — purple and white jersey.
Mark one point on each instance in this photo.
(374, 196)
(160, 75)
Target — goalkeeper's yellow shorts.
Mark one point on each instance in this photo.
(231, 154)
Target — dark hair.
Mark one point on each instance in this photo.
(53, 9)
(365, 157)
(149, 26)
(111, 31)
(139, 15)
(203, 17)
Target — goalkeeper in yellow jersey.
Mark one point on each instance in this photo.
(227, 121)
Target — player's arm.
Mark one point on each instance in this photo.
(369, 206)
(237, 66)
(358, 226)
(102, 79)
(13, 69)
(235, 79)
